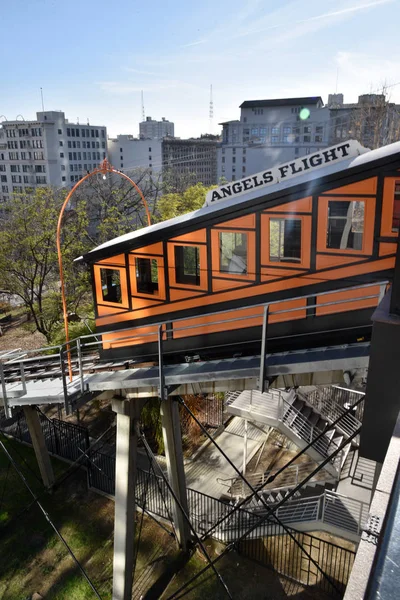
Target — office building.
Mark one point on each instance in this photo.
(195, 159)
(127, 153)
(373, 121)
(156, 130)
(47, 151)
(270, 132)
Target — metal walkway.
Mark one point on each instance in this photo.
(303, 367)
(75, 371)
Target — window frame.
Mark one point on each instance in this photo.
(186, 278)
(160, 295)
(123, 282)
(251, 254)
(282, 259)
(203, 266)
(368, 232)
(305, 240)
(388, 207)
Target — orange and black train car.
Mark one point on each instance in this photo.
(304, 238)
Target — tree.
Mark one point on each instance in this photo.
(175, 204)
(28, 256)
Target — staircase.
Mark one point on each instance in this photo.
(281, 485)
(299, 421)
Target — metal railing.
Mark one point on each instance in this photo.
(332, 401)
(84, 351)
(267, 545)
(288, 479)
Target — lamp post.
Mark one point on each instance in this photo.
(104, 168)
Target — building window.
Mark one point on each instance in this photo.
(318, 138)
(307, 139)
(61, 154)
(319, 129)
(62, 178)
(287, 130)
(254, 131)
(285, 240)
(149, 149)
(59, 131)
(243, 169)
(233, 159)
(233, 252)
(187, 265)
(111, 285)
(396, 208)
(307, 129)
(275, 131)
(263, 131)
(274, 139)
(345, 224)
(146, 276)
(285, 139)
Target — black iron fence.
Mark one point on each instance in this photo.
(63, 439)
(269, 545)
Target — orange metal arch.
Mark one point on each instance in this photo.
(104, 168)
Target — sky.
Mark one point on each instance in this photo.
(93, 58)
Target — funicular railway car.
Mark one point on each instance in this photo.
(315, 238)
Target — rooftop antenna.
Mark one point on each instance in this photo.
(41, 94)
(211, 113)
(143, 113)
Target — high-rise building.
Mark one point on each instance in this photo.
(156, 130)
(373, 121)
(127, 153)
(48, 150)
(195, 158)
(270, 132)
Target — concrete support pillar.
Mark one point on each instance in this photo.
(176, 473)
(128, 413)
(39, 445)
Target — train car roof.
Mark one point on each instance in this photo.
(305, 182)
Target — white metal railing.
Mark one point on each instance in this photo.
(326, 401)
(76, 349)
(288, 479)
(329, 508)
(294, 420)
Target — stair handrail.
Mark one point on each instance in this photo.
(322, 400)
(311, 429)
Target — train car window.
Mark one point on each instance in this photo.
(285, 240)
(187, 265)
(396, 208)
(111, 285)
(345, 224)
(233, 252)
(146, 275)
